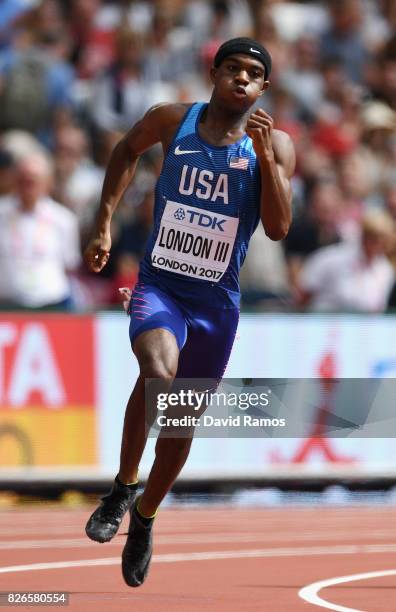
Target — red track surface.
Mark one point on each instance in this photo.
(250, 559)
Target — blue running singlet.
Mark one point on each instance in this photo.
(207, 206)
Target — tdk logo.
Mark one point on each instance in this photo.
(205, 220)
(179, 214)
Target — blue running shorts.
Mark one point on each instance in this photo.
(205, 335)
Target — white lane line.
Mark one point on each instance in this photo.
(204, 538)
(211, 555)
(164, 527)
(310, 592)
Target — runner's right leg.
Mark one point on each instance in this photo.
(157, 353)
(157, 333)
(205, 355)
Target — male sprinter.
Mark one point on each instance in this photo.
(224, 169)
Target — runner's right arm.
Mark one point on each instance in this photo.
(120, 171)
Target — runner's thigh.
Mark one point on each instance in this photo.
(151, 308)
(210, 337)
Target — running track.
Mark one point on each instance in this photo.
(211, 558)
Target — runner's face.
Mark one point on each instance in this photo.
(239, 81)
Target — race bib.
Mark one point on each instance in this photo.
(194, 242)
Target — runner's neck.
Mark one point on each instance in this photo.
(220, 128)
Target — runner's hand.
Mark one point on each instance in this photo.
(259, 128)
(97, 253)
(126, 295)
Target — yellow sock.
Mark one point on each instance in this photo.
(128, 483)
(151, 516)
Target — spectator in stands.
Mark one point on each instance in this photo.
(10, 10)
(198, 84)
(336, 127)
(46, 20)
(389, 195)
(39, 243)
(136, 14)
(216, 20)
(356, 185)
(389, 199)
(122, 95)
(378, 129)
(334, 80)
(388, 8)
(352, 276)
(267, 32)
(135, 233)
(384, 74)
(302, 78)
(93, 41)
(7, 173)
(78, 181)
(317, 227)
(20, 144)
(264, 279)
(315, 165)
(344, 40)
(168, 56)
(285, 113)
(36, 83)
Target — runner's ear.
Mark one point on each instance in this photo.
(213, 73)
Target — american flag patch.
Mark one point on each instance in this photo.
(241, 163)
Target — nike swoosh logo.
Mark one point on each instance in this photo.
(178, 151)
(254, 50)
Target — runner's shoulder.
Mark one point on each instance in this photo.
(166, 114)
(281, 139)
(158, 125)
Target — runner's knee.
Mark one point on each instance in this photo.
(167, 448)
(156, 368)
(157, 353)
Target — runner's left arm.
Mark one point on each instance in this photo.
(277, 160)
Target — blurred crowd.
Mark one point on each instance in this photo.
(76, 74)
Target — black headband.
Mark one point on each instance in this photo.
(248, 46)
